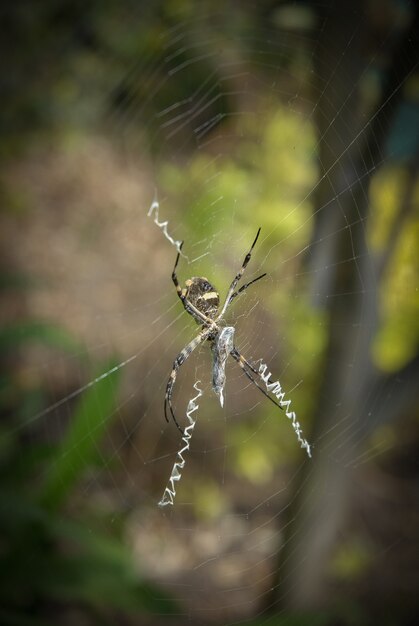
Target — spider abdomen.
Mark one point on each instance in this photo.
(203, 296)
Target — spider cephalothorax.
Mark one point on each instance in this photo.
(203, 296)
(201, 300)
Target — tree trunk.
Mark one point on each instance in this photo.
(351, 146)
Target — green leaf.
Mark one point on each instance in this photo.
(78, 449)
(18, 333)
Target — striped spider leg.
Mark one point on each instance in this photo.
(231, 294)
(179, 360)
(246, 366)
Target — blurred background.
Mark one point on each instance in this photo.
(300, 117)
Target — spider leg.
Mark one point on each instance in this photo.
(244, 364)
(179, 360)
(189, 307)
(238, 277)
(174, 275)
(239, 291)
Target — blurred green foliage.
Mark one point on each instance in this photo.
(70, 66)
(54, 560)
(78, 448)
(20, 333)
(352, 558)
(398, 336)
(263, 179)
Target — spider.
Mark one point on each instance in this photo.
(201, 300)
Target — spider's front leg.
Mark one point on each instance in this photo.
(231, 293)
(189, 307)
(174, 275)
(179, 360)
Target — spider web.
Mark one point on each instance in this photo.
(221, 126)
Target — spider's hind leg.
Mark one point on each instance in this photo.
(179, 360)
(246, 366)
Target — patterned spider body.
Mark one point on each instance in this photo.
(201, 301)
(202, 295)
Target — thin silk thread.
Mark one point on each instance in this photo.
(276, 390)
(163, 225)
(170, 491)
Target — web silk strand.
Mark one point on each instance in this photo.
(163, 225)
(276, 390)
(170, 491)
